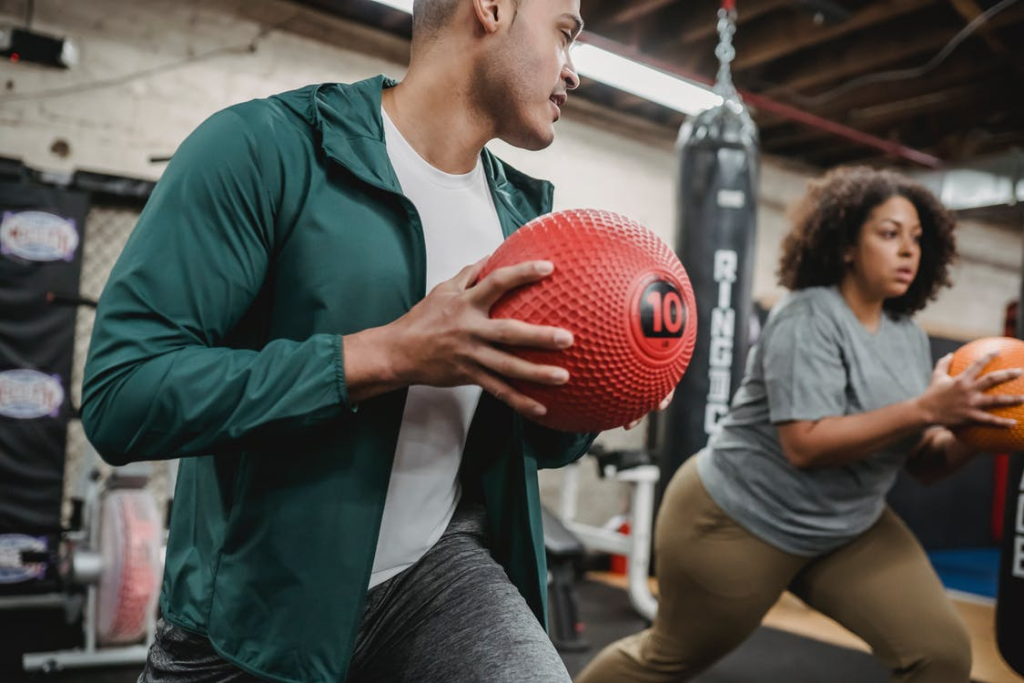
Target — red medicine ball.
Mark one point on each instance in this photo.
(628, 302)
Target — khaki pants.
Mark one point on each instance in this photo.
(717, 581)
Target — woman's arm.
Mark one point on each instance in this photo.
(948, 401)
(937, 455)
(836, 441)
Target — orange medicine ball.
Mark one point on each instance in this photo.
(1011, 355)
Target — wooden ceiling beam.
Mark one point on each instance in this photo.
(746, 11)
(796, 137)
(831, 65)
(633, 11)
(785, 34)
(974, 95)
(950, 139)
(832, 154)
(697, 27)
(954, 110)
(962, 68)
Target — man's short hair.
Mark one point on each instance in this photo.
(430, 16)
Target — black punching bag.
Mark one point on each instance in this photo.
(716, 225)
(1010, 602)
(1010, 599)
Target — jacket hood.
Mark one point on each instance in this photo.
(346, 118)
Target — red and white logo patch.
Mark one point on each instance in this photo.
(28, 394)
(38, 236)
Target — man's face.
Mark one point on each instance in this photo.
(527, 72)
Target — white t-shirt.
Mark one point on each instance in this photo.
(460, 226)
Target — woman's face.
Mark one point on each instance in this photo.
(884, 261)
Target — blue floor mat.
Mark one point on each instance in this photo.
(973, 570)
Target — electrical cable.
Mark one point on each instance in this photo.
(900, 74)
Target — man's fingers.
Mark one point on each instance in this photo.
(491, 288)
(661, 406)
(510, 332)
(468, 275)
(506, 394)
(507, 365)
(667, 400)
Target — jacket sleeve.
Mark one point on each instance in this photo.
(159, 380)
(553, 448)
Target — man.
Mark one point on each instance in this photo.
(357, 497)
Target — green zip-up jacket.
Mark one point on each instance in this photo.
(279, 226)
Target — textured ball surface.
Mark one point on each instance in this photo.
(628, 302)
(1011, 355)
(130, 544)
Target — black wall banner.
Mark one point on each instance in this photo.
(716, 226)
(41, 232)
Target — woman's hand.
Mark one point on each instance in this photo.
(952, 401)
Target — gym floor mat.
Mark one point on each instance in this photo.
(972, 570)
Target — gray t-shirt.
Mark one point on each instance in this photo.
(814, 359)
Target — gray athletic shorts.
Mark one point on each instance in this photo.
(453, 616)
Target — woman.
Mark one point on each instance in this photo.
(790, 494)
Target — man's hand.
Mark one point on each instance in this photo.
(448, 339)
(661, 406)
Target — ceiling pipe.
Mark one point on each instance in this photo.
(784, 110)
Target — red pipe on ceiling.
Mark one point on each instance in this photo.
(766, 104)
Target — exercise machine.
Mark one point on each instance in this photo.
(100, 576)
(636, 468)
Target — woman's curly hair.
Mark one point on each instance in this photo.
(828, 221)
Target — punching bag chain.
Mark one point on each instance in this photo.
(725, 51)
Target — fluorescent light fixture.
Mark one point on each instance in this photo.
(404, 5)
(642, 80)
(626, 75)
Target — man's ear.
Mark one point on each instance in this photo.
(490, 14)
